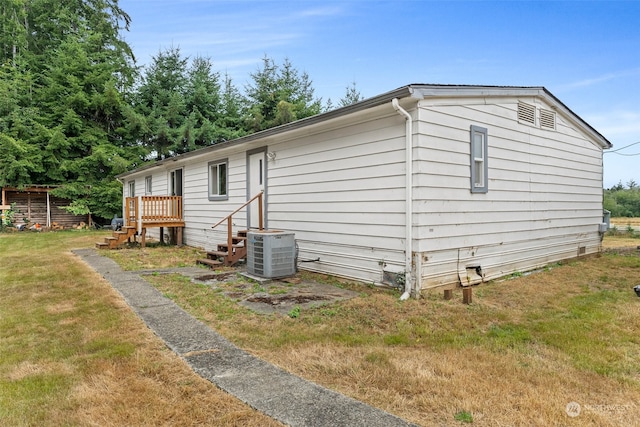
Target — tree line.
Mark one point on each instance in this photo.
(76, 110)
(623, 201)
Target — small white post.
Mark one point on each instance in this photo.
(139, 219)
(48, 211)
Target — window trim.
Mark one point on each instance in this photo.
(475, 185)
(132, 188)
(148, 185)
(217, 163)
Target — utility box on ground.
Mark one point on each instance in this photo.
(271, 254)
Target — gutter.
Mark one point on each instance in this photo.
(402, 92)
(416, 91)
(408, 268)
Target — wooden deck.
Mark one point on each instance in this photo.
(153, 211)
(144, 212)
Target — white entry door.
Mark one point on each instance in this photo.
(256, 182)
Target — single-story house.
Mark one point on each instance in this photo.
(35, 204)
(424, 186)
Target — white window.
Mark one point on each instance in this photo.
(218, 177)
(479, 168)
(147, 185)
(132, 189)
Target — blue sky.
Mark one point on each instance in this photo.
(587, 53)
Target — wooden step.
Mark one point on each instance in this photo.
(210, 262)
(224, 247)
(216, 254)
(102, 245)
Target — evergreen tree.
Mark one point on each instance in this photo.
(65, 74)
(20, 128)
(230, 121)
(279, 95)
(13, 31)
(161, 101)
(203, 103)
(351, 96)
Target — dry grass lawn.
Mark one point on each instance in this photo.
(525, 349)
(623, 222)
(73, 354)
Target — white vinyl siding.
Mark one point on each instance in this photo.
(339, 185)
(545, 199)
(342, 192)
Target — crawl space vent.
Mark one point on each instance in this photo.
(526, 113)
(547, 119)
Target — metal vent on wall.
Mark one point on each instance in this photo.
(526, 113)
(547, 119)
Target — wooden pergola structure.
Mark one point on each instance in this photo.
(37, 205)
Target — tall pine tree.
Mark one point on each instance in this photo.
(279, 95)
(72, 70)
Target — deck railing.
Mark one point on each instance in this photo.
(153, 210)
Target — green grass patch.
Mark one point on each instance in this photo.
(463, 417)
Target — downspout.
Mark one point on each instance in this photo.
(408, 278)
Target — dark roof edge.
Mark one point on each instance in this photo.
(418, 91)
(401, 92)
(605, 142)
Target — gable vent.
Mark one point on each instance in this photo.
(526, 113)
(547, 119)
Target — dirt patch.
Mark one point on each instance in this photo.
(287, 299)
(215, 276)
(274, 296)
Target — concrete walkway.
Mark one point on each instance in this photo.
(267, 388)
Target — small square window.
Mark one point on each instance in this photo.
(218, 178)
(479, 167)
(147, 186)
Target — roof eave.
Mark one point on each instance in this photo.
(416, 91)
(403, 92)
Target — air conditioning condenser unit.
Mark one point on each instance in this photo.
(271, 254)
